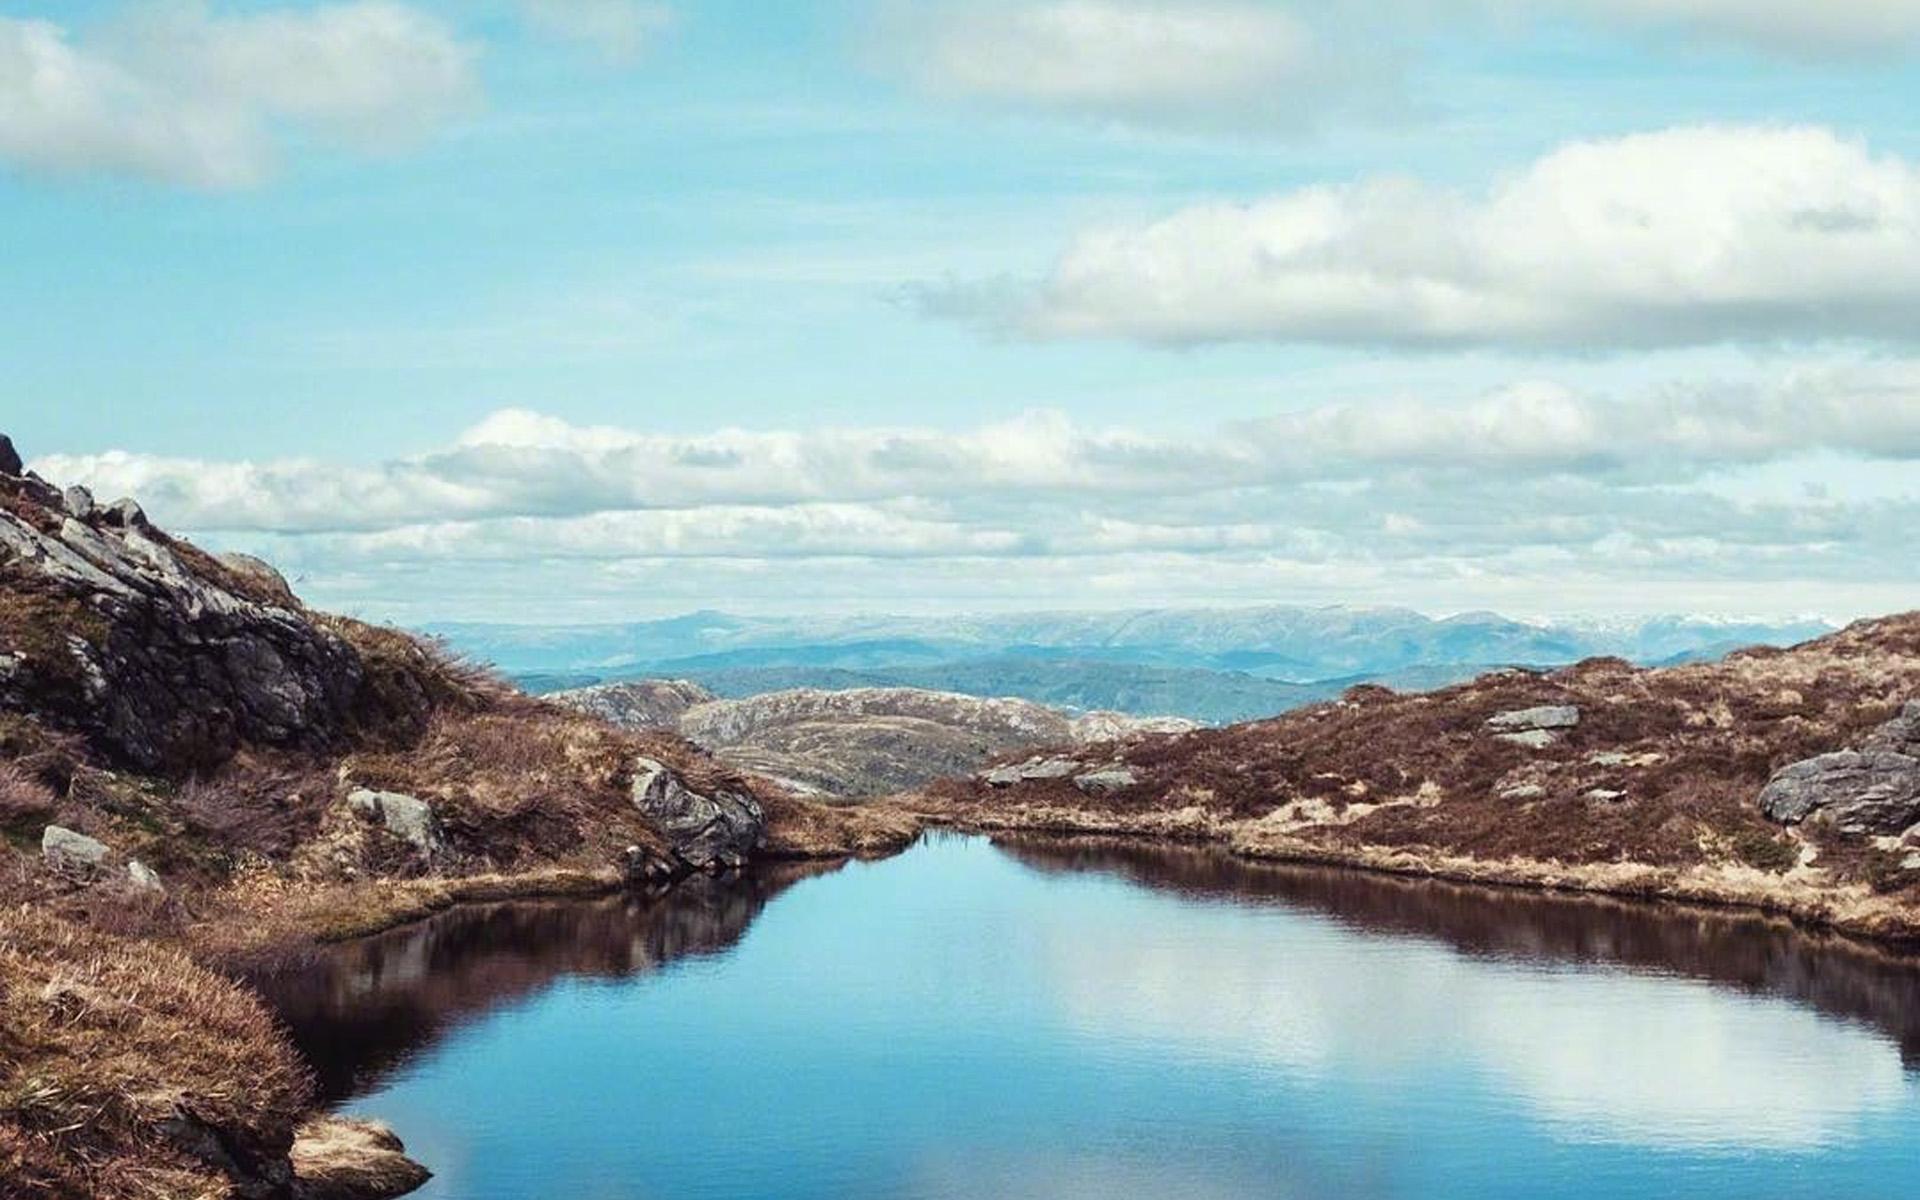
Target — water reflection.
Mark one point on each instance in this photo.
(1759, 955)
(1519, 988)
(360, 1010)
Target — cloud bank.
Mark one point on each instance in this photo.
(177, 94)
(1506, 499)
(1680, 237)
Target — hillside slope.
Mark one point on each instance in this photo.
(856, 742)
(1784, 778)
(196, 770)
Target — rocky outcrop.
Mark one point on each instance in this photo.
(1872, 790)
(158, 655)
(705, 832)
(856, 742)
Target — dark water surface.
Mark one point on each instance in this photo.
(1101, 1020)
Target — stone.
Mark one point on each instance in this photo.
(72, 853)
(344, 1158)
(1605, 795)
(262, 575)
(78, 502)
(1858, 791)
(1610, 758)
(1032, 769)
(1524, 791)
(126, 513)
(10, 463)
(1548, 716)
(408, 818)
(706, 833)
(1898, 736)
(1106, 780)
(1532, 739)
(144, 878)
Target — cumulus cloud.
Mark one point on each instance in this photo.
(619, 30)
(1212, 64)
(178, 94)
(1685, 236)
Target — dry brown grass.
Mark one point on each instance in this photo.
(107, 1039)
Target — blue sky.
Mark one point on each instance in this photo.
(273, 267)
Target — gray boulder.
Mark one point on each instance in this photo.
(1033, 768)
(1547, 716)
(1534, 728)
(72, 853)
(705, 832)
(1859, 791)
(78, 502)
(1106, 780)
(1898, 736)
(406, 817)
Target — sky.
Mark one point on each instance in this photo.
(582, 310)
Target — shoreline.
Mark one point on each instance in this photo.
(1855, 914)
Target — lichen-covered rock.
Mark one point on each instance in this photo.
(72, 853)
(408, 818)
(1898, 736)
(1858, 791)
(705, 832)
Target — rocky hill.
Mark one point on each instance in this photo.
(857, 742)
(197, 770)
(1788, 779)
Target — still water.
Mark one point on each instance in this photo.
(973, 1019)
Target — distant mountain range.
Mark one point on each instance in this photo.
(1214, 665)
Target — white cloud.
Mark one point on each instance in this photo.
(522, 464)
(1785, 497)
(1803, 29)
(1216, 64)
(1686, 236)
(619, 30)
(178, 94)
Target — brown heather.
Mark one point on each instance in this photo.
(1661, 775)
(102, 1039)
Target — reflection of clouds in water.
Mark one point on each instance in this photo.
(1604, 1056)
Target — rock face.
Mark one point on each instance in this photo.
(406, 817)
(856, 742)
(72, 853)
(705, 832)
(150, 649)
